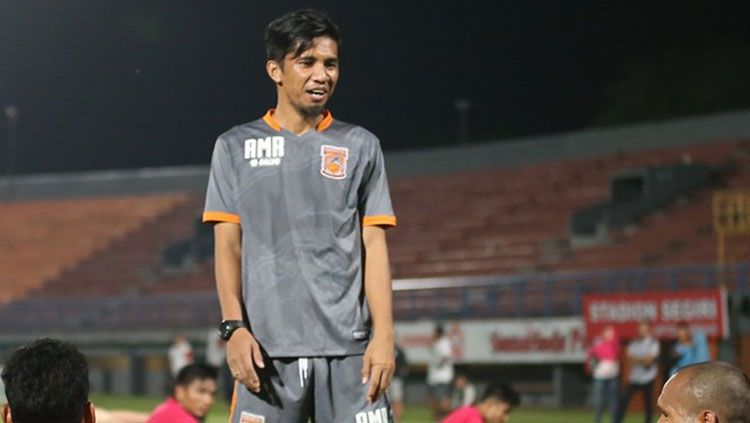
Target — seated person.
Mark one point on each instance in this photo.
(194, 392)
(47, 381)
(495, 407)
(464, 392)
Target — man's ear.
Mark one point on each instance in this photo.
(179, 393)
(89, 415)
(274, 71)
(6, 414)
(707, 416)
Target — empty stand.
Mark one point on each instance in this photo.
(486, 222)
(42, 239)
(498, 221)
(132, 262)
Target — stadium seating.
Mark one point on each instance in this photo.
(43, 239)
(507, 220)
(130, 263)
(485, 222)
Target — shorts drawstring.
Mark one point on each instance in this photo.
(302, 363)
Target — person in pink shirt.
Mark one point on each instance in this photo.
(605, 356)
(193, 396)
(495, 407)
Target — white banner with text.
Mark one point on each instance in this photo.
(537, 341)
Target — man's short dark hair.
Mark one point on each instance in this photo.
(47, 381)
(294, 33)
(439, 330)
(503, 393)
(195, 371)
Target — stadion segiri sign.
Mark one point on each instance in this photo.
(702, 309)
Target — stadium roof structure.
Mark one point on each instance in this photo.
(498, 154)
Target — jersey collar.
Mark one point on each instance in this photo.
(322, 125)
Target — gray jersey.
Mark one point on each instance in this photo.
(301, 202)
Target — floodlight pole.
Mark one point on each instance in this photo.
(11, 116)
(463, 105)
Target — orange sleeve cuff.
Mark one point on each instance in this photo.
(214, 216)
(379, 221)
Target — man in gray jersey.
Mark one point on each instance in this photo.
(300, 204)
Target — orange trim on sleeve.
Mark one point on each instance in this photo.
(384, 220)
(214, 216)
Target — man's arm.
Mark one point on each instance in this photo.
(242, 348)
(379, 361)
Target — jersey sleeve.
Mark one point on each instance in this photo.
(655, 349)
(375, 202)
(220, 195)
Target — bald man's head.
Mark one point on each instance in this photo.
(709, 392)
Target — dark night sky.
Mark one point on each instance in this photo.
(124, 84)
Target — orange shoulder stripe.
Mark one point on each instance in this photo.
(214, 216)
(384, 220)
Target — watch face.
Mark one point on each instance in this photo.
(225, 330)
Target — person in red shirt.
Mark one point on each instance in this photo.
(496, 405)
(193, 395)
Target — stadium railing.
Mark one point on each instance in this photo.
(510, 296)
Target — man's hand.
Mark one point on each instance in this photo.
(243, 355)
(378, 366)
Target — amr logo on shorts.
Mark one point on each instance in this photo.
(333, 161)
(246, 417)
(379, 415)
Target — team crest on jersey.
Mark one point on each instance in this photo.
(333, 161)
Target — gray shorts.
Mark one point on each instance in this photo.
(321, 389)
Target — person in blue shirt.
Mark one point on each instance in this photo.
(691, 348)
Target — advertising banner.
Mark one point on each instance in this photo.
(537, 341)
(704, 310)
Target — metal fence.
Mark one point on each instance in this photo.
(516, 296)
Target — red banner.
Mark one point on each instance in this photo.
(704, 310)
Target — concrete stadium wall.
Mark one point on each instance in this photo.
(580, 144)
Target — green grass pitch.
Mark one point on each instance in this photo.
(414, 414)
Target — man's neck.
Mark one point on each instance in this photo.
(293, 121)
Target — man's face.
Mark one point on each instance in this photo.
(307, 81)
(495, 411)
(683, 335)
(644, 329)
(673, 402)
(197, 397)
(609, 333)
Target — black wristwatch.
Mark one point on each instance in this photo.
(227, 328)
